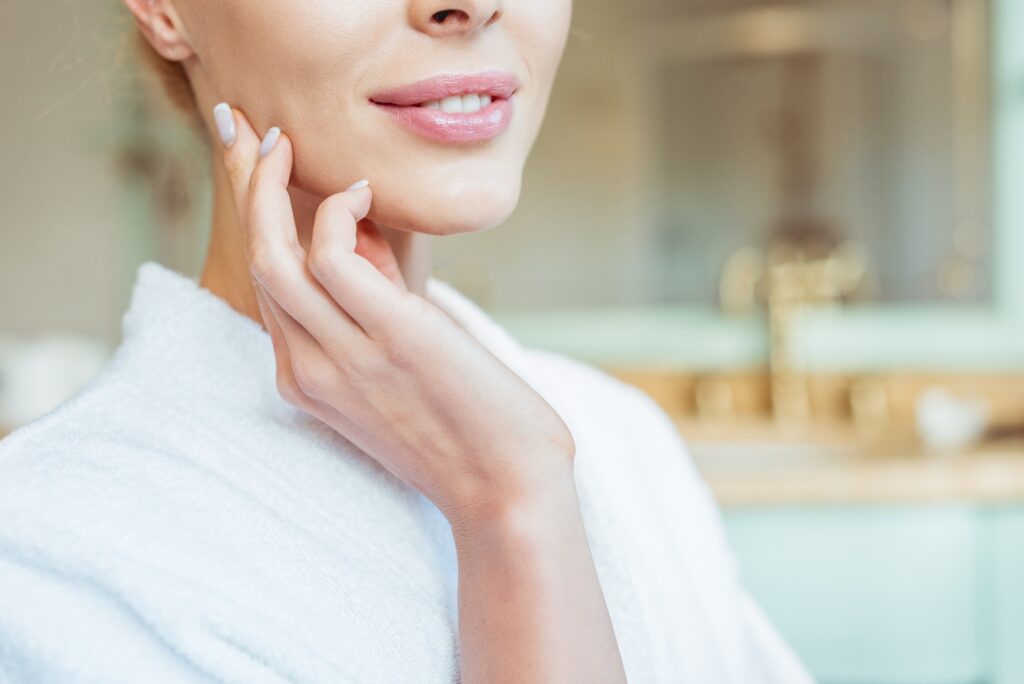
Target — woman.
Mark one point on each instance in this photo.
(319, 463)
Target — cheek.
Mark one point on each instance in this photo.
(541, 28)
(278, 79)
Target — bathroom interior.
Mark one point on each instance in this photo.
(797, 224)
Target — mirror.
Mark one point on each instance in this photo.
(687, 138)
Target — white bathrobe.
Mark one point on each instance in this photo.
(177, 521)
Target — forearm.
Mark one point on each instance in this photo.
(530, 605)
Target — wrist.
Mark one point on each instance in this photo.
(520, 512)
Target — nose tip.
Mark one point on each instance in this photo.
(452, 17)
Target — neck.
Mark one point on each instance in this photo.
(226, 269)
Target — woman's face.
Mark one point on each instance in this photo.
(332, 75)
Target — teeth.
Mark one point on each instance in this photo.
(452, 105)
(460, 104)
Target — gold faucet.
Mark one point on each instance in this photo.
(790, 278)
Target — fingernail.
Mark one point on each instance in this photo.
(225, 123)
(358, 185)
(269, 140)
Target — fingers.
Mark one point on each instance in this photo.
(307, 376)
(259, 171)
(288, 335)
(265, 163)
(369, 296)
(276, 259)
(271, 220)
(286, 385)
(349, 285)
(293, 347)
(241, 152)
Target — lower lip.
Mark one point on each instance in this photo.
(444, 127)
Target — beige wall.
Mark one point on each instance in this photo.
(63, 228)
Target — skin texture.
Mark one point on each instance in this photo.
(310, 66)
(337, 278)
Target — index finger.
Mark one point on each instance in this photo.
(259, 172)
(240, 152)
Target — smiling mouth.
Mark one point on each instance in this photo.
(469, 103)
(453, 108)
(460, 104)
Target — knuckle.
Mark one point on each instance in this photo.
(256, 178)
(236, 169)
(323, 262)
(399, 351)
(261, 262)
(287, 388)
(309, 378)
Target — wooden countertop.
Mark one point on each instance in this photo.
(743, 472)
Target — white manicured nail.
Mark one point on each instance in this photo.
(225, 123)
(358, 185)
(269, 140)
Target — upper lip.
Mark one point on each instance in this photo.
(497, 84)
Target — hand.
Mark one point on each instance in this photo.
(381, 365)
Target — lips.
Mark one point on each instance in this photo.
(453, 108)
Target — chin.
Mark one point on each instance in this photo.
(430, 202)
(457, 206)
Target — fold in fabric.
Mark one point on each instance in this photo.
(176, 521)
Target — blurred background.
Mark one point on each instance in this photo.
(797, 224)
